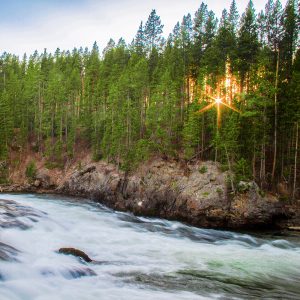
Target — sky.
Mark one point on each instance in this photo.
(29, 25)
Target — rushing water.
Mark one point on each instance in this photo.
(140, 258)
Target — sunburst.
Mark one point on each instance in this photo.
(218, 102)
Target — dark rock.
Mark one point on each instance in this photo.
(76, 253)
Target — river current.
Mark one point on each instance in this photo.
(137, 258)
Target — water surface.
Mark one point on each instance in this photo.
(141, 258)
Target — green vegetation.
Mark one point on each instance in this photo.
(3, 172)
(137, 100)
(203, 169)
(31, 171)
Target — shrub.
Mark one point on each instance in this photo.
(242, 170)
(203, 169)
(31, 170)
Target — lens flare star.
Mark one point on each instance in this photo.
(218, 102)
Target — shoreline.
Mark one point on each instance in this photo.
(162, 190)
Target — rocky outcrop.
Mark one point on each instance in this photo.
(250, 208)
(195, 193)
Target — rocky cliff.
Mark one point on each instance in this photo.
(195, 193)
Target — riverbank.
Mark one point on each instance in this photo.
(195, 193)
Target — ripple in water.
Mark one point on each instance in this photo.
(142, 258)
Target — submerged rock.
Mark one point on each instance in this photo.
(79, 272)
(7, 253)
(12, 214)
(69, 273)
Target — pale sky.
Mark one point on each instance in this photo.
(28, 25)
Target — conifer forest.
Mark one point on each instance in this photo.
(225, 89)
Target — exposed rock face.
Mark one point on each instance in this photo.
(250, 208)
(196, 194)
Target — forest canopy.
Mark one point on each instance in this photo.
(149, 97)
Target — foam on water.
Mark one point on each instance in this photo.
(144, 258)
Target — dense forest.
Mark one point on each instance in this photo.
(225, 90)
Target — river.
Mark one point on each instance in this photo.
(138, 258)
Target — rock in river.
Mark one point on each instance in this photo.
(76, 253)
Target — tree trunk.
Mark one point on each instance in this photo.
(295, 161)
(275, 121)
(230, 170)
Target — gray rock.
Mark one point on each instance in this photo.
(43, 178)
(163, 189)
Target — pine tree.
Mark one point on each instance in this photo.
(6, 125)
(247, 44)
(153, 31)
(200, 21)
(233, 16)
(139, 40)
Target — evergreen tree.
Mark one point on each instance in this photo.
(233, 17)
(153, 30)
(247, 44)
(139, 40)
(134, 102)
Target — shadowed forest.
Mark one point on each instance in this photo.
(215, 89)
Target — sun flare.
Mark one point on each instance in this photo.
(218, 102)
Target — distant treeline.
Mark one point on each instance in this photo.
(140, 99)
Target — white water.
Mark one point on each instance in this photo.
(145, 258)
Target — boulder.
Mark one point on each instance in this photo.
(76, 253)
(42, 178)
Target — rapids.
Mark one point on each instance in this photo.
(138, 258)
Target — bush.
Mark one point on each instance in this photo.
(31, 170)
(203, 169)
(242, 171)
